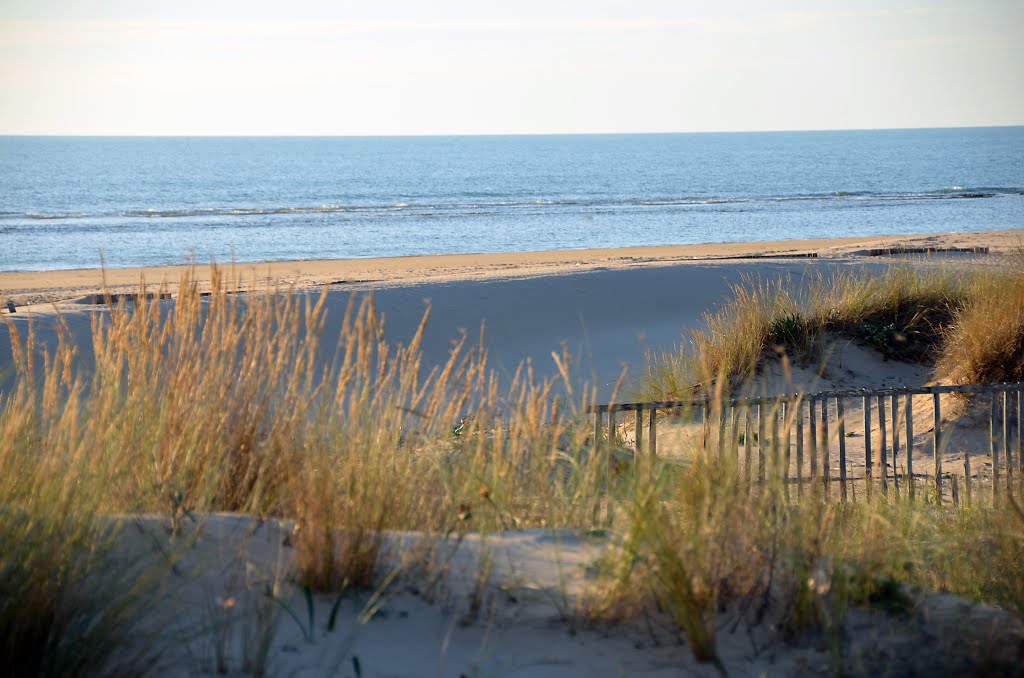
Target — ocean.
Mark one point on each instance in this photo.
(65, 202)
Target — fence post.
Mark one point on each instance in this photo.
(639, 429)
(937, 444)
(775, 447)
(826, 465)
(1007, 453)
(705, 426)
(748, 444)
(894, 406)
(799, 417)
(812, 429)
(761, 451)
(882, 461)
(787, 425)
(841, 422)
(652, 433)
(967, 477)
(721, 429)
(908, 409)
(734, 445)
(869, 471)
(1020, 438)
(994, 447)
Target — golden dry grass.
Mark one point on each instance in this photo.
(985, 341)
(221, 403)
(969, 322)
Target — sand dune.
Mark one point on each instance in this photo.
(503, 605)
(607, 307)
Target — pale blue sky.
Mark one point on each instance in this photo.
(402, 67)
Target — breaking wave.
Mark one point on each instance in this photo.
(477, 205)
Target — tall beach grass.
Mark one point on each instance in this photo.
(226, 402)
(964, 321)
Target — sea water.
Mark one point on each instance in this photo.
(65, 202)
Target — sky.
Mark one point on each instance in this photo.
(336, 67)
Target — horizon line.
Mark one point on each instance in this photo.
(494, 134)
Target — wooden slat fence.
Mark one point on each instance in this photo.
(1006, 456)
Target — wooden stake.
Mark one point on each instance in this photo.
(1007, 454)
(799, 417)
(841, 419)
(868, 462)
(812, 429)
(705, 426)
(1020, 437)
(937, 444)
(721, 429)
(652, 433)
(826, 466)
(967, 477)
(639, 430)
(994, 447)
(776, 450)
(748, 444)
(909, 414)
(894, 406)
(734, 447)
(787, 415)
(884, 466)
(762, 450)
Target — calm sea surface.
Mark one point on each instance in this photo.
(143, 201)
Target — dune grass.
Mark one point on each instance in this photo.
(967, 322)
(712, 555)
(237, 402)
(985, 340)
(70, 598)
(227, 403)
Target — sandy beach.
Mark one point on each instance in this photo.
(607, 307)
(37, 287)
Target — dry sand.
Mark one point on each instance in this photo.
(35, 287)
(607, 307)
(517, 620)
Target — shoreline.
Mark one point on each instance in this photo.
(46, 287)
